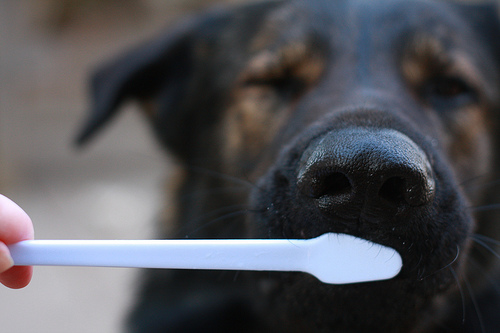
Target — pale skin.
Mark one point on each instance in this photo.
(15, 226)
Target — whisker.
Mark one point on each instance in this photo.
(202, 193)
(218, 219)
(445, 267)
(223, 176)
(222, 210)
(460, 290)
(482, 182)
(472, 180)
(475, 304)
(486, 239)
(486, 246)
(199, 220)
(485, 208)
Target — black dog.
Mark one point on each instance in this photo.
(296, 118)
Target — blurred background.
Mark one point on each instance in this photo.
(112, 189)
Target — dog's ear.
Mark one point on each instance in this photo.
(159, 69)
(135, 75)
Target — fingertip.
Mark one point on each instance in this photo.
(17, 277)
(13, 276)
(16, 224)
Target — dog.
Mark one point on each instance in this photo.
(292, 119)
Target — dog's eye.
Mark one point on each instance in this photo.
(287, 72)
(286, 85)
(449, 87)
(449, 91)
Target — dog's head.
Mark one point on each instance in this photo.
(354, 117)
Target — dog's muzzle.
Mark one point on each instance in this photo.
(365, 173)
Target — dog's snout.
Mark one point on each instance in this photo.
(376, 171)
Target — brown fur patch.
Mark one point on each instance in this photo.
(425, 60)
(260, 103)
(427, 57)
(424, 56)
(250, 124)
(469, 140)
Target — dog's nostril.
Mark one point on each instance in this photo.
(334, 184)
(393, 190)
(415, 190)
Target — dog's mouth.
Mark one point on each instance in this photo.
(376, 184)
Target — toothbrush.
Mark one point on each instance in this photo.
(332, 258)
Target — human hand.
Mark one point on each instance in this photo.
(15, 226)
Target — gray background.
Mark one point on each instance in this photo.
(111, 190)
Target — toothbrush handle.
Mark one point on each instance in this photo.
(241, 254)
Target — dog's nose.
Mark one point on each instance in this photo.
(374, 173)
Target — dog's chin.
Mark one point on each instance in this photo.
(413, 301)
(297, 301)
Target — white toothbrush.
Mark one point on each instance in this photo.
(332, 258)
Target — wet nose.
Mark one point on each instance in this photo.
(374, 172)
